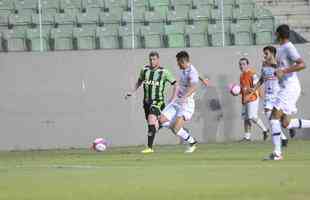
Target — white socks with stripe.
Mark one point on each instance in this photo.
(276, 135)
(299, 123)
(185, 136)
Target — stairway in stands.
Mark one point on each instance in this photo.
(296, 13)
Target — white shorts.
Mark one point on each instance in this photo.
(175, 109)
(287, 98)
(249, 110)
(269, 102)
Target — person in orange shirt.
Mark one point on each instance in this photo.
(250, 100)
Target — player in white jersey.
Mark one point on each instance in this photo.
(288, 62)
(271, 83)
(182, 108)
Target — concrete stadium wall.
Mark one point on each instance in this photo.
(66, 99)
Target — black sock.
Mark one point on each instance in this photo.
(151, 136)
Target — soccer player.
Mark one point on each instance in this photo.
(154, 79)
(271, 83)
(250, 100)
(289, 62)
(182, 108)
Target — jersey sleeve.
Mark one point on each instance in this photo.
(292, 53)
(169, 77)
(194, 77)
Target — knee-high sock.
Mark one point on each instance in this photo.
(185, 136)
(276, 135)
(259, 123)
(151, 136)
(299, 123)
(268, 116)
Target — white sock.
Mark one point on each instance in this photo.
(299, 123)
(276, 135)
(186, 136)
(259, 123)
(268, 115)
(247, 136)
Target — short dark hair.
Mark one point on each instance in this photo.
(244, 59)
(283, 31)
(182, 56)
(271, 49)
(154, 53)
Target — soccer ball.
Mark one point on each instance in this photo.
(100, 145)
(234, 89)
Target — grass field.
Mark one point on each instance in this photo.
(215, 171)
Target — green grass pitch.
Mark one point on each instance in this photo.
(216, 172)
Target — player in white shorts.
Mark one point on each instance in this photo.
(289, 62)
(182, 108)
(271, 83)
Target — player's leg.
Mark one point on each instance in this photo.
(177, 129)
(247, 130)
(295, 123)
(290, 105)
(284, 139)
(151, 121)
(276, 135)
(253, 116)
(247, 126)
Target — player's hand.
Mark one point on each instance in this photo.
(206, 82)
(251, 91)
(279, 73)
(128, 95)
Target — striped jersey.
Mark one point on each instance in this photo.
(154, 82)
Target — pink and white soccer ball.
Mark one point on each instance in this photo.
(100, 144)
(234, 89)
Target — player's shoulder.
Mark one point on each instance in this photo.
(193, 69)
(252, 70)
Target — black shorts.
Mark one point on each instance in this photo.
(153, 107)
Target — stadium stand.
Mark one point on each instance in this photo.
(101, 24)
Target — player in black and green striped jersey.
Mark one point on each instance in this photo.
(154, 79)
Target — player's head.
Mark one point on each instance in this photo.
(182, 59)
(269, 53)
(243, 64)
(154, 59)
(283, 33)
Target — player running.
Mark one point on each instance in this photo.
(154, 79)
(271, 83)
(182, 108)
(250, 100)
(288, 62)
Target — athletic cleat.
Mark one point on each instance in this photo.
(265, 135)
(273, 156)
(292, 133)
(147, 151)
(284, 143)
(191, 148)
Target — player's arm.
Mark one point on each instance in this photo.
(137, 85)
(204, 81)
(299, 63)
(298, 66)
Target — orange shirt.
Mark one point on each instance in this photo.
(246, 82)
